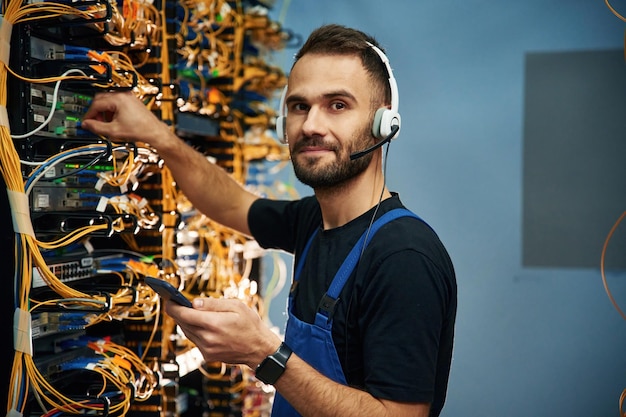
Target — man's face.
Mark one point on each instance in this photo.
(329, 117)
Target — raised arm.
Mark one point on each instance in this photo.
(122, 117)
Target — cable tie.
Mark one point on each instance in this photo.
(14, 413)
(134, 182)
(20, 212)
(99, 68)
(99, 184)
(123, 203)
(4, 115)
(87, 245)
(6, 28)
(102, 204)
(142, 203)
(22, 332)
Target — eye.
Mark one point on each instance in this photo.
(337, 105)
(299, 107)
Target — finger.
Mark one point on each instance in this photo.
(173, 309)
(192, 320)
(96, 126)
(100, 104)
(223, 305)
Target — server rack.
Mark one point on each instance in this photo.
(91, 216)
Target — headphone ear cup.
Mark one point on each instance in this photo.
(384, 120)
(281, 132)
(281, 120)
(377, 124)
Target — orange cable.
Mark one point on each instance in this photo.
(604, 281)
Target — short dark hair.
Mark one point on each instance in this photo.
(333, 39)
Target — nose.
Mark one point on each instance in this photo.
(314, 123)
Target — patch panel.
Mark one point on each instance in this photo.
(69, 101)
(43, 50)
(49, 364)
(62, 112)
(70, 188)
(65, 122)
(75, 268)
(50, 59)
(67, 271)
(49, 322)
(76, 174)
(61, 198)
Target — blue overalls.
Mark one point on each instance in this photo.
(314, 342)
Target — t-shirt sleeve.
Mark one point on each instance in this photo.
(276, 224)
(269, 224)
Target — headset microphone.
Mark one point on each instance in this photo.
(357, 155)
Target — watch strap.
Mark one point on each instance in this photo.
(273, 366)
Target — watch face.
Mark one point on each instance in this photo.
(269, 370)
(274, 365)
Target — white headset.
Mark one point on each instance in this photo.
(281, 120)
(384, 120)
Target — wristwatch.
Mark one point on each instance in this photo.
(274, 365)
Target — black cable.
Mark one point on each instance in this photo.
(369, 227)
(104, 154)
(380, 200)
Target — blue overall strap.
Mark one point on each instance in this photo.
(330, 298)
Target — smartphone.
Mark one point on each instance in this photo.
(167, 291)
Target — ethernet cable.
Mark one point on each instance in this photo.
(103, 150)
(53, 105)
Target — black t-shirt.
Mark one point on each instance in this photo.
(394, 322)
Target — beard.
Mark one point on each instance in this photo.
(312, 173)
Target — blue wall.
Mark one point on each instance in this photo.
(530, 341)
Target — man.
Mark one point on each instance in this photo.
(370, 337)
